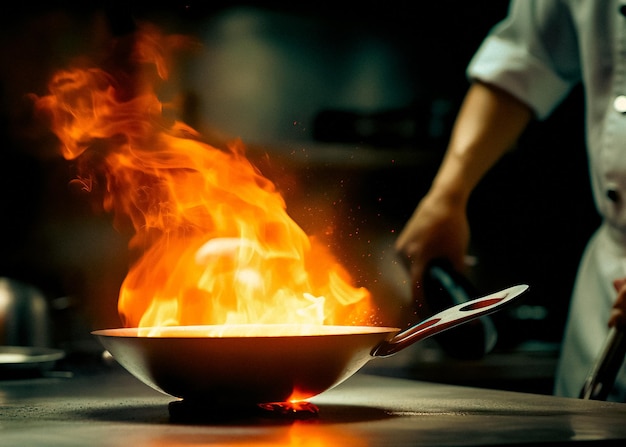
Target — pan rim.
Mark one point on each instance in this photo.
(229, 331)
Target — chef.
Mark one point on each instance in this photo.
(524, 68)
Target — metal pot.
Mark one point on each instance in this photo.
(251, 364)
(24, 317)
(24, 330)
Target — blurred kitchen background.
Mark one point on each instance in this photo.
(347, 107)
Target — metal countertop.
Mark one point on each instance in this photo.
(112, 408)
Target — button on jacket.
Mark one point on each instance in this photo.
(538, 54)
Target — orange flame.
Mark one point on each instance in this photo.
(217, 244)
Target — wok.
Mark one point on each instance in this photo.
(255, 364)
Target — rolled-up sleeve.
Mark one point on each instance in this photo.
(532, 54)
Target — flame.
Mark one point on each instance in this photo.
(216, 243)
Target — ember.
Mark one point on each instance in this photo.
(215, 242)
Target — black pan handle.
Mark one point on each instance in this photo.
(445, 287)
(601, 378)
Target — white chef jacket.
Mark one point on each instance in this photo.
(538, 53)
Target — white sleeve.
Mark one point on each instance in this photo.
(532, 54)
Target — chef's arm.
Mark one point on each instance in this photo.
(489, 123)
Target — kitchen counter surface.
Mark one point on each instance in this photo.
(111, 408)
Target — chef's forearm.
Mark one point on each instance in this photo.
(489, 123)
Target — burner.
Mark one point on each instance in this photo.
(184, 411)
(294, 410)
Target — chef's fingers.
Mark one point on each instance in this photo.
(617, 318)
(618, 312)
(619, 283)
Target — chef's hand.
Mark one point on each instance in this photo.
(438, 229)
(618, 313)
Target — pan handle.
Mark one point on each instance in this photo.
(447, 319)
(601, 378)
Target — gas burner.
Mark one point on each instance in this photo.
(294, 410)
(183, 411)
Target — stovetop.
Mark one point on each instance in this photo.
(106, 406)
